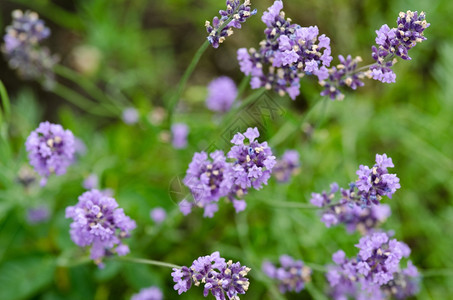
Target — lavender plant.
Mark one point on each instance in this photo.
(219, 277)
(50, 149)
(99, 223)
(286, 166)
(22, 47)
(237, 12)
(291, 276)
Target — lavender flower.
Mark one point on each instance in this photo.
(158, 215)
(288, 53)
(391, 42)
(376, 182)
(235, 14)
(286, 166)
(209, 180)
(291, 276)
(22, 47)
(50, 149)
(151, 293)
(99, 223)
(91, 182)
(179, 133)
(219, 277)
(130, 115)
(221, 94)
(396, 42)
(38, 215)
(374, 273)
(253, 161)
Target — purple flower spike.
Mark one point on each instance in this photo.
(209, 180)
(158, 215)
(221, 94)
(151, 293)
(286, 166)
(375, 272)
(288, 53)
(50, 149)
(99, 223)
(235, 14)
(179, 133)
(253, 161)
(219, 277)
(22, 48)
(291, 276)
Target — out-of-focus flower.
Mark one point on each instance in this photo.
(86, 59)
(158, 215)
(22, 48)
(179, 132)
(151, 293)
(38, 214)
(91, 182)
(130, 115)
(286, 166)
(221, 94)
(291, 276)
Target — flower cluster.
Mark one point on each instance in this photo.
(50, 149)
(222, 92)
(235, 14)
(291, 276)
(209, 180)
(219, 277)
(99, 223)
(151, 293)
(396, 42)
(288, 53)
(391, 42)
(375, 272)
(22, 47)
(286, 166)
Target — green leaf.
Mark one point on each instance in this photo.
(23, 277)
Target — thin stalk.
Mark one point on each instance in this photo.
(78, 100)
(5, 101)
(242, 86)
(149, 262)
(437, 272)
(87, 85)
(185, 77)
(243, 104)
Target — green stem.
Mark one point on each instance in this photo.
(5, 101)
(232, 113)
(316, 267)
(438, 272)
(185, 77)
(290, 128)
(78, 100)
(149, 262)
(87, 85)
(242, 86)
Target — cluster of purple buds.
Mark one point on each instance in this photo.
(235, 14)
(50, 149)
(405, 283)
(22, 47)
(374, 272)
(396, 42)
(376, 182)
(150, 293)
(364, 220)
(291, 276)
(286, 166)
(391, 43)
(344, 74)
(209, 180)
(99, 223)
(219, 277)
(287, 54)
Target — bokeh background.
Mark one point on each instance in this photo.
(139, 49)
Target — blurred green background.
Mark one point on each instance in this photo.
(140, 49)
